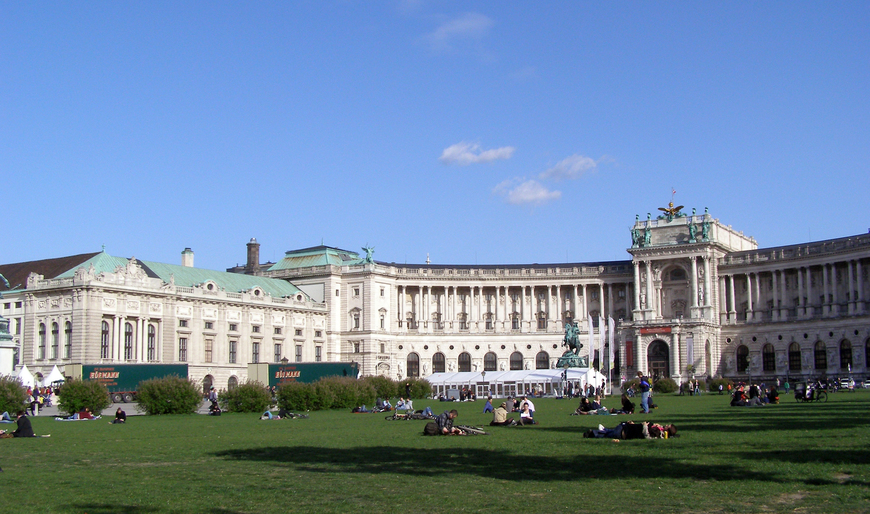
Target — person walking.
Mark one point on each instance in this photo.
(644, 392)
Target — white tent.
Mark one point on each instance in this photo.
(26, 377)
(54, 376)
(500, 384)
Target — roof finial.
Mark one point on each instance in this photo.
(427, 259)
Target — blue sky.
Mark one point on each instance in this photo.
(474, 132)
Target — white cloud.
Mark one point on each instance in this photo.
(466, 153)
(571, 167)
(520, 191)
(469, 26)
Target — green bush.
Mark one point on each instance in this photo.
(169, 395)
(296, 396)
(420, 387)
(76, 394)
(326, 393)
(12, 395)
(665, 385)
(713, 385)
(384, 387)
(247, 397)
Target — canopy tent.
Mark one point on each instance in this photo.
(26, 377)
(53, 377)
(500, 384)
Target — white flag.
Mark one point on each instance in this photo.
(591, 349)
(602, 328)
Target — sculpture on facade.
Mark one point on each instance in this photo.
(705, 231)
(370, 251)
(5, 282)
(647, 235)
(635, 238)
(571, 358)
(693, 231)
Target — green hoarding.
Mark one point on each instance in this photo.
(305, 372)
(126, 377)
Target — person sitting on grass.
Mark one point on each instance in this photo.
(444, 423)
(488, 406)
(526, 417)
(627, 406)
(25, 429)
(739, 399)
(584, 408)
(500, 416)
(773, 395)
(120, 417)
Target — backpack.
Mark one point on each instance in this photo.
(430, 429)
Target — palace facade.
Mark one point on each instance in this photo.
(696, 299)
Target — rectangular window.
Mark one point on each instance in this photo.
(209, 325)
(355, 347)
(209, 347)
(488, 323)
(298, 353)
(383, 292)
(277, 353)
(317, 353)
(182, 323)
(7, 305)
(383, 322)
(255, 329)
(233, 345)
(152, 343)
(17, 326)
(336, 292)
(515, 323)
(298, 332)
(234, 327)
(356, 320)
(356, 291)
(383, 347)
(17, 305)
(318, 333)
(255, 352)
(277, 331)
(182, 349)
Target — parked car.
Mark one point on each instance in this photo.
(847, 383)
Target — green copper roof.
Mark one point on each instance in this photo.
(316, 256)
(189, 277)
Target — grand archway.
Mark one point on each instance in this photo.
(658, 359)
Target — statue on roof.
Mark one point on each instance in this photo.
(369, 250)
(671, 212)
(5, 282)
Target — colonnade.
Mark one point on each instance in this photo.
(823, 290)
(648, 293)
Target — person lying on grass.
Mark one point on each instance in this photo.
(631, 430)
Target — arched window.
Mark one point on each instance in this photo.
(152, 343)
(464, 361)
(742, 358)
(41, 350)
(413, 365)
(516, 361)
(232, 383)
(438, 363)
(67, 340)
(55, 339)
(542, 360)
(845, 354)
(128, 341)
(820, 357)
(794, 357)
(768, 358)
(207, 382)
(104, 341)
(490, 362)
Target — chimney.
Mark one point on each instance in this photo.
(253, 265)
(187, 258)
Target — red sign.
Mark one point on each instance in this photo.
(656, 330)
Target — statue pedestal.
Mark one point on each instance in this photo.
(570, 359)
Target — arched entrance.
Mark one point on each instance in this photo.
(207, 382)
(658, 359)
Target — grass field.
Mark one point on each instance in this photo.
(781, 458)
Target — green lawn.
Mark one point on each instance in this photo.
(782, 458)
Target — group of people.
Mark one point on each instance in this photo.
(693, 387)
(755, 396)
(522, 405)
(632, 430)
(595, 406)
(38, 397)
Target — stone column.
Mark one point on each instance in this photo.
(708, 287)
(732, 312)
(826, 304)
(748, 297)
(835, 302)
(558, 312)
(801, 307)
(775, 311)
(810, 300)
(693, 295)
(636, 287)
(584, 315)
(676, 370)
(723, 302)
(783, 313)
(860, 286)
(850, 295)
(650, 298)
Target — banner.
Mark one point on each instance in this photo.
(602, 328)
(591, 340)
(611, 329)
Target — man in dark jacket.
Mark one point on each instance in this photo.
(24, 427)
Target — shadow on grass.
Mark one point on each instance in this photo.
(486, 464)
(104, 508)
